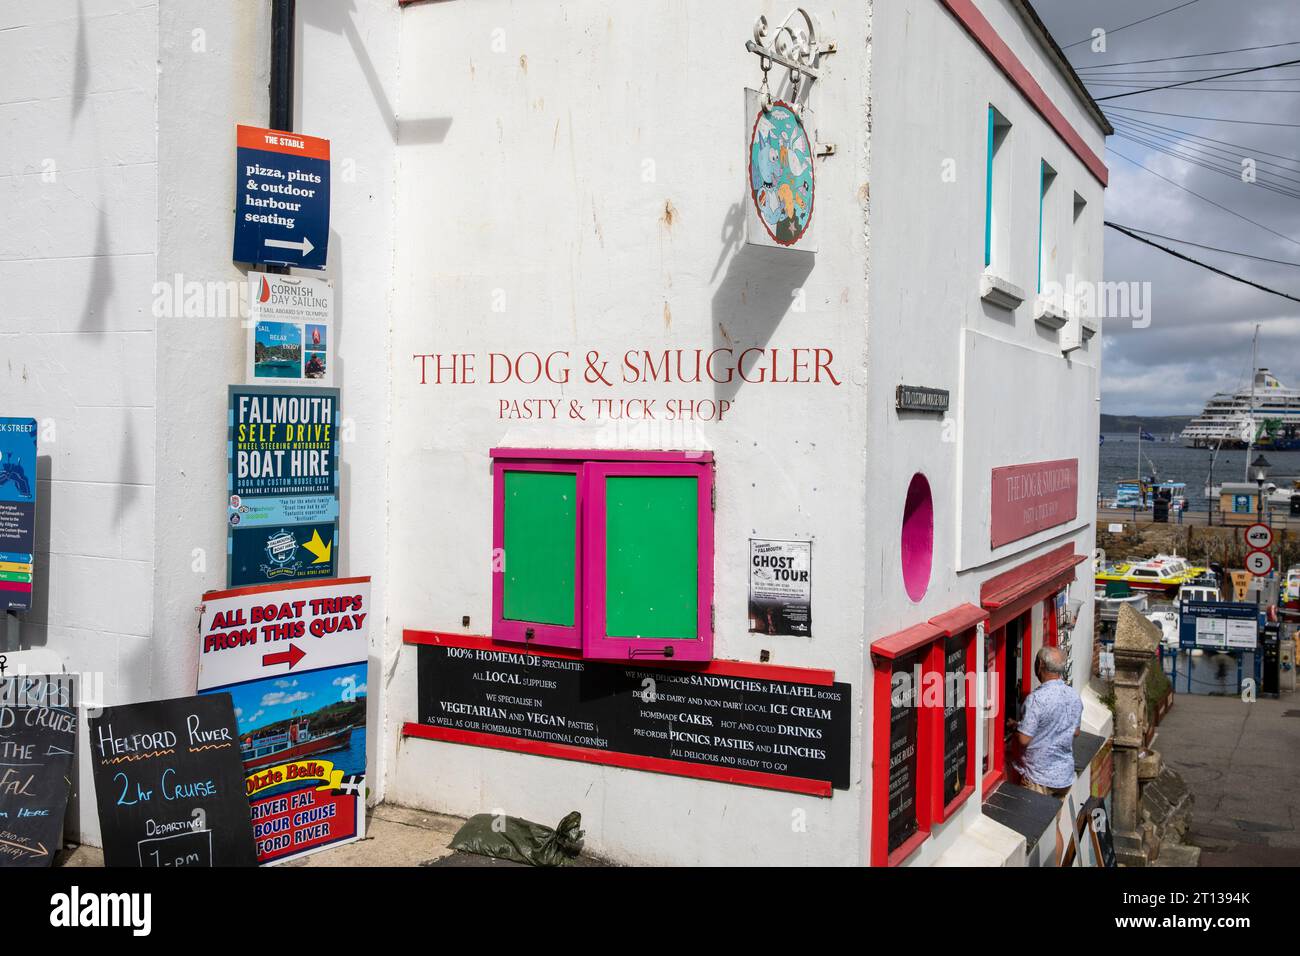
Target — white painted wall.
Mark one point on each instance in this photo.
(1016, 398)
(582, 164)
(537, 189)
(77, 341)
(346, 68)
(133, 109)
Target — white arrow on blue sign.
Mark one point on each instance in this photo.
(282, 198)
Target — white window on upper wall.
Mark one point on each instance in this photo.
(1080, 264)
(997, 196)
(1049, 232)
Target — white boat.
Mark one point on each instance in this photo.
(1266, 415)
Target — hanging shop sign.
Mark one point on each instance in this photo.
(282, 198)
(781, 183)
(294, 661)
(919, 398)
(780, 135)
(753, 724)
(169, 784)
(1030, 498)
(17, 512)
(38, 738)
(1218, 625)
(283, 484)
(290, 330)
(780, 587)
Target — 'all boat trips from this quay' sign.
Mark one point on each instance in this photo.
(1030, 498)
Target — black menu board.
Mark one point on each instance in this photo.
(726, 722)
(956, 745)
(38, 738)
(169, 783)
(903, 726)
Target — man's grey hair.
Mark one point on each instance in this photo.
(1052, 660)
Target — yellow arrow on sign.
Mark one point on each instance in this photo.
(319, 548)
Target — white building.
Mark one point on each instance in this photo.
(568, 180)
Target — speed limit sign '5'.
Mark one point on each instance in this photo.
(1259, 563)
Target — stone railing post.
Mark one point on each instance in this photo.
(1137, 641)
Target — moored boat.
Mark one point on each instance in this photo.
(1165, 573)
(294, 743)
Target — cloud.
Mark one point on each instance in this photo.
(286, 683)
(279, 698)
(1202, 324)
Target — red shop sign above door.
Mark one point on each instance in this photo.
(1030, 498)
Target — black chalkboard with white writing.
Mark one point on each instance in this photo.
(903, 728)
(662, 718)
(956, 747)
(169, 784)
(38, 738)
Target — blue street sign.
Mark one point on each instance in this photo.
(282, 198)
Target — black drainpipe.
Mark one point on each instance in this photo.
(282, 17)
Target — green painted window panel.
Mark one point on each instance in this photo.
(651, 557)
(541, 515)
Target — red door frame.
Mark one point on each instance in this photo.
(994, 695)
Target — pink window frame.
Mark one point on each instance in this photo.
(596, 644)
(516, 632)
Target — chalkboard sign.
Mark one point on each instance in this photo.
(903, 726)
(169, 783)
(38, 737)
(1099, 831)
(956, 746)
(738, 728)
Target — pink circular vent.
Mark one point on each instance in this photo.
(918, 537)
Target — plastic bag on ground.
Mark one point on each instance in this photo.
(510, 838)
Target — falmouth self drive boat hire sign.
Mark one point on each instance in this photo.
(282, 198)
(17, 512)
(283, 484)
(294, 660)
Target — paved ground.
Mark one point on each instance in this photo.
(1242, 764)
(395, 836)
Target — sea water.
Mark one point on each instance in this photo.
(1172, 462)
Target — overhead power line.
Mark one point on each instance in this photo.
(1217, 205)
(1187, 56)
(1212, 163)
(1219, 76)
(1207, 119)
(1228, 171)
(1242, 149)
(1197, 262)
(1114, 30)
(1230, 252)
(1200, 89)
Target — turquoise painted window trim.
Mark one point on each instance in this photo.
(988, 198)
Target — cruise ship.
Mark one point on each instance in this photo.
(1229, 422)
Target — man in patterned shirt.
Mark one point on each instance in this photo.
(1046, 732)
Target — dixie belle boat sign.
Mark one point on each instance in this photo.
(1031, 498)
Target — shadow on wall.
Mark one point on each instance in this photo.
(337, 18)
(754, 295)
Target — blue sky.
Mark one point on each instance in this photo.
(265, 702)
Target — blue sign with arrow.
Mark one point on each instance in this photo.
(282, 198)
